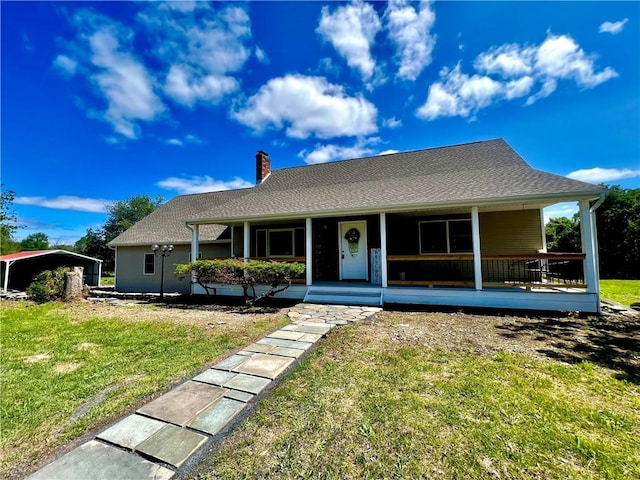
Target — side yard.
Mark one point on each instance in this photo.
(451, 395)
(69, 369)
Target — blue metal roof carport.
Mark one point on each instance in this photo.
(29, 264)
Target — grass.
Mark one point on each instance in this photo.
(55, 368)
(366, 406)
(106, 281)
(625, 292)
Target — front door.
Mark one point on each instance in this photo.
(353, 250)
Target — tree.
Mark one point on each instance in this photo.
(122, 215)
(35, 241)
(618, 222)
(8, 219)
(563, 234)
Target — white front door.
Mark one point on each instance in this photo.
(353, 250)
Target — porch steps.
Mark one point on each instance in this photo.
(344, 295)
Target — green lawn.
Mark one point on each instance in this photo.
(54, 364)
(106, 281)
(625, 292)
(372, 404)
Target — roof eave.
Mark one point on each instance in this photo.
(545, 198)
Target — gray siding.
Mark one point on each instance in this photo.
(130, 275)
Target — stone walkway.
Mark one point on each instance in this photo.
(169, 435)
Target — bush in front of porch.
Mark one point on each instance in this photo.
(233, 271)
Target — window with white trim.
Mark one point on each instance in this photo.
(149, 264)
(445, 236)
(280, 242)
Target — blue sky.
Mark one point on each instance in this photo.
(103, 101)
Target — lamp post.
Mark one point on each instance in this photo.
(163, 251)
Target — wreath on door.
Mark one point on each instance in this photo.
(352, 237)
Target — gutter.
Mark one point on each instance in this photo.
(595, 206)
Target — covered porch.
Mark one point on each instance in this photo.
(474, 256)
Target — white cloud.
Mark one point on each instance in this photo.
(352, 29)
(179, 142)
(512, 71)
(67, 202)
(261, 56)
(67, 66)
(389, 152)
(307, 106)
(103, 54)
(196, 184)
(459, 94)
(186, 87)
(328, 152)
(410, 31)
(561, 57)
(600, 175)
(506, 60)
(391, 122)
(613, 28)
(201, 48)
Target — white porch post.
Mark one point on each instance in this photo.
(308, 251)
(477, 259)
(586, 239)
(195, 245)
(231, 247)
(247, 242)
(195, 242)
(544, 232)
(383, 249)
(99, 274)
(6, 276)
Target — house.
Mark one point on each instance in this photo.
(18, 269)
(459, 225)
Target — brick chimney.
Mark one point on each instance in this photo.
(263, 166)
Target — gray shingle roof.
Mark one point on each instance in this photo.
(480, 171)
(167, 223)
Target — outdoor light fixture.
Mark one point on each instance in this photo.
(163, 251)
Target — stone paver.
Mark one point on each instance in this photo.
(98, 461)
(183, 403)
(172, 445)
(215, 377)
(286, 335)
(166, 429)
(131, 431)
(248, 383)
(243, 397)
(214, 418)
(276, 342)
(262, 365)
(230, 362)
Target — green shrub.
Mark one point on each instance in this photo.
(48, 285)
(234, 271)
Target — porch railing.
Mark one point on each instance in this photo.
(526, 270)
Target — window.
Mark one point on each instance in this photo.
(281, 242)
(149, 263)
(445, 236)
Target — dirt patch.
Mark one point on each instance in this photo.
(87, 347)
(610, 341)
(210, 317)
(37, 358)
(62, 368)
